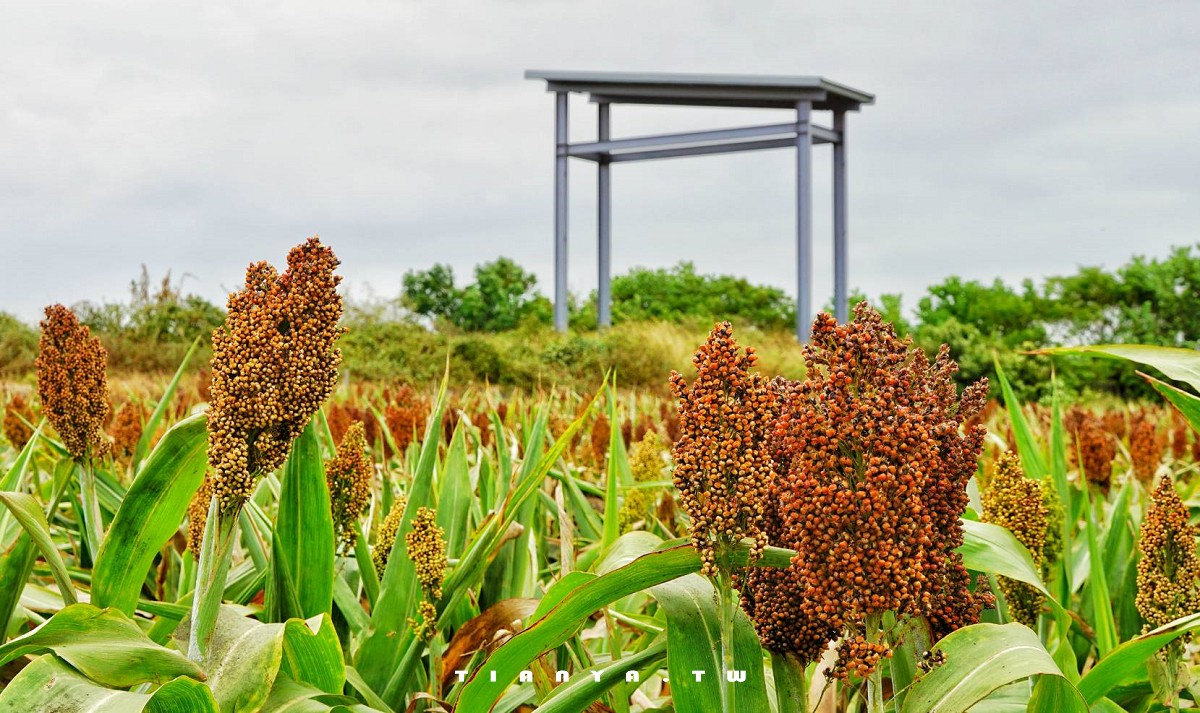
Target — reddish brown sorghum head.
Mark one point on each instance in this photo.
(877, 468)
(1015, 502)
(349, 476)
(1096, 447)
(482, 421)
(1180, 431)
(273, 364)
(1116, 423)
(18, 421)
(1168, 574)
(72, 382)
(723, 467)
(599, 438)
(406, 416)
(1146, 448)
(771, 596)
(126, 430)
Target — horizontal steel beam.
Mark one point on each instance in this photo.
(704, 150)
(687, 137)
(697, 143)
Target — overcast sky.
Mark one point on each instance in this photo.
(1011, 139)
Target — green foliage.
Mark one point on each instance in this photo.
(18, 346)
(680, 294)
(502, 297)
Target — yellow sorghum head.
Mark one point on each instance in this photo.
(18, 415)
(349, 476)
(1015, 502)
(646, 463)
(426, 546)
(72, 382)
(1168, 574)
(273, 364)
(385, 536)
(723, 468)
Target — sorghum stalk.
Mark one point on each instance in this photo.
(727, 603)
(875, 680)
(273, 364)
(791, 682)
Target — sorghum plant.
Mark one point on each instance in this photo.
(723, 466)
(1146, 448)
(877, 464)
(1095, 449)
(646, 464)
(72, 382)
(349, 476)
(73, 388)
(425, 544)
(406, 416)
(274, 362)
(1168, 574)
(126, 430)
(385, 534)
(18, 420)
(1015, 502)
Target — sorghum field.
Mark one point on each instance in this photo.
(260, 534)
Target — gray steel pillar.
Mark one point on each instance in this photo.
(560, 211)
(804, 268)
(604, 225)
(841, 280)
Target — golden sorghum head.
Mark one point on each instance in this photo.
(646, 463)
(385, 536)
(126, 430)
(349, 476)
(197, 515)
(1146, 448)
(877, 464)
(1168, 574)
(1015, 502)
(72, 382)
(723, 467)
(273, 364)
(18, 420)
(426, 547)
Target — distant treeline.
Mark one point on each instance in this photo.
(497, 327)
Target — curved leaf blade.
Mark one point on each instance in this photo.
(302, 549)
(980, 659)
(150, 514)
(104, 645)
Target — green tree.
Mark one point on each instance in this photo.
(431, 293)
